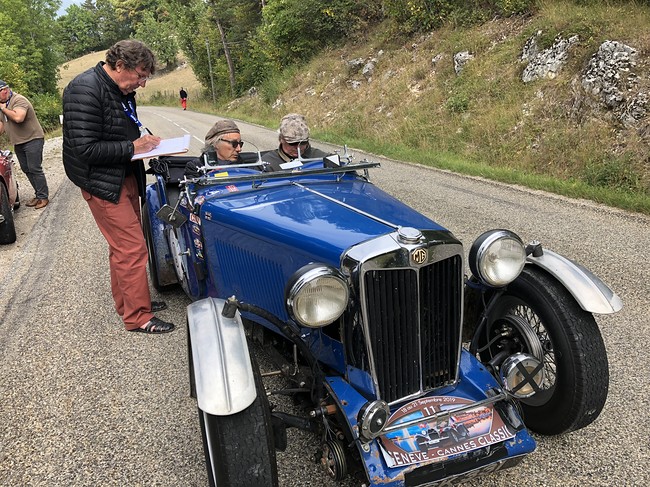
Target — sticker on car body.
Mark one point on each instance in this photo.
(433, 440)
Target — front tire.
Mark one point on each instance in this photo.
(239, 449)
(537, 315)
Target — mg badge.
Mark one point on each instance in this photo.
(419, 256)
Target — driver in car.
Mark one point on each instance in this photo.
(294, 137)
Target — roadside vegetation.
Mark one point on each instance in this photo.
(259, 60)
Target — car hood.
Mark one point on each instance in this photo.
(322, 218)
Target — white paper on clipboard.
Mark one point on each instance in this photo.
(167, 147)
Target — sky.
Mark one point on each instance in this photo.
(65, 4)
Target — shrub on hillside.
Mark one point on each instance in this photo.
(426, 15)
(48, 108)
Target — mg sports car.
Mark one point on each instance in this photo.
(417, 361)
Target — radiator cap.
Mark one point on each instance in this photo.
(409, 235)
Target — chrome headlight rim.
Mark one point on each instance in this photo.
(305, 278)
(481, 257)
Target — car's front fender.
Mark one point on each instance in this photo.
(223, 373)
(590, 292)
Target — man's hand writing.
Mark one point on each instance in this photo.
(145, 143)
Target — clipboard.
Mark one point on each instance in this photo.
(167, 147)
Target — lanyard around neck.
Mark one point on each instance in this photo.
(130, 112)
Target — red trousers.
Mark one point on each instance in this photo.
(127, 252)
(184, 103)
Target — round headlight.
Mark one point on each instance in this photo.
(497, 257)
(317, 295)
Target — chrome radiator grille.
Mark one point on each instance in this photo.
(413, 319)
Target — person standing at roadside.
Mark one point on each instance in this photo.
(101, 134)
(25, 133)
(183, 94)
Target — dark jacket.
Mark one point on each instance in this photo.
(98, 135)
(278, 156)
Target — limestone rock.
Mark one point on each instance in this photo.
(460, 59)
(547, 63)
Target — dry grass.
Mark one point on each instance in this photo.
(486, 120)
(165, 84)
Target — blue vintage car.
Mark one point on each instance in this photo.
(413, 370)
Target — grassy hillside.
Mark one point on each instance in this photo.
(485, 121)
(165, 83)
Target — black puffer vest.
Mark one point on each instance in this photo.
(98, 135)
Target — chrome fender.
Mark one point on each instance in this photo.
(222, 367)
(589, 291)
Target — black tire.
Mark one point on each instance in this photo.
(153, 268)
(575, 361)
(7, 228)
(239, 449)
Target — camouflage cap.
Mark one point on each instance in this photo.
(220, 128)
(293, 128)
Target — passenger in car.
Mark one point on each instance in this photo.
(223, 146)
(294, 137)
(224, 138)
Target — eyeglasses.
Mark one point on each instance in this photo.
(141, 77)
(234, 143)
(296, 144)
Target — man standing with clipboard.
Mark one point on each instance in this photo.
(101, 134)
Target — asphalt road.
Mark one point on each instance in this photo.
(82, 402)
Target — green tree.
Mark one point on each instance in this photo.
(198, 25)
(92, 26)
(159, 36)
(294, 30)
(133, 11)
(29, 57)
(79, 31)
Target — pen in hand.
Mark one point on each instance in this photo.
(145, 143)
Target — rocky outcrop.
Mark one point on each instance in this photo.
(547, 63)
(610, 78)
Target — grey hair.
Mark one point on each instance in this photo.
(132, 53)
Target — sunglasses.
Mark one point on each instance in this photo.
(234, 143)
(296, 144)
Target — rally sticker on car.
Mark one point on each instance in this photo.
(432, 440)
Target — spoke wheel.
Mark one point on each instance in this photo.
(537, 315)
